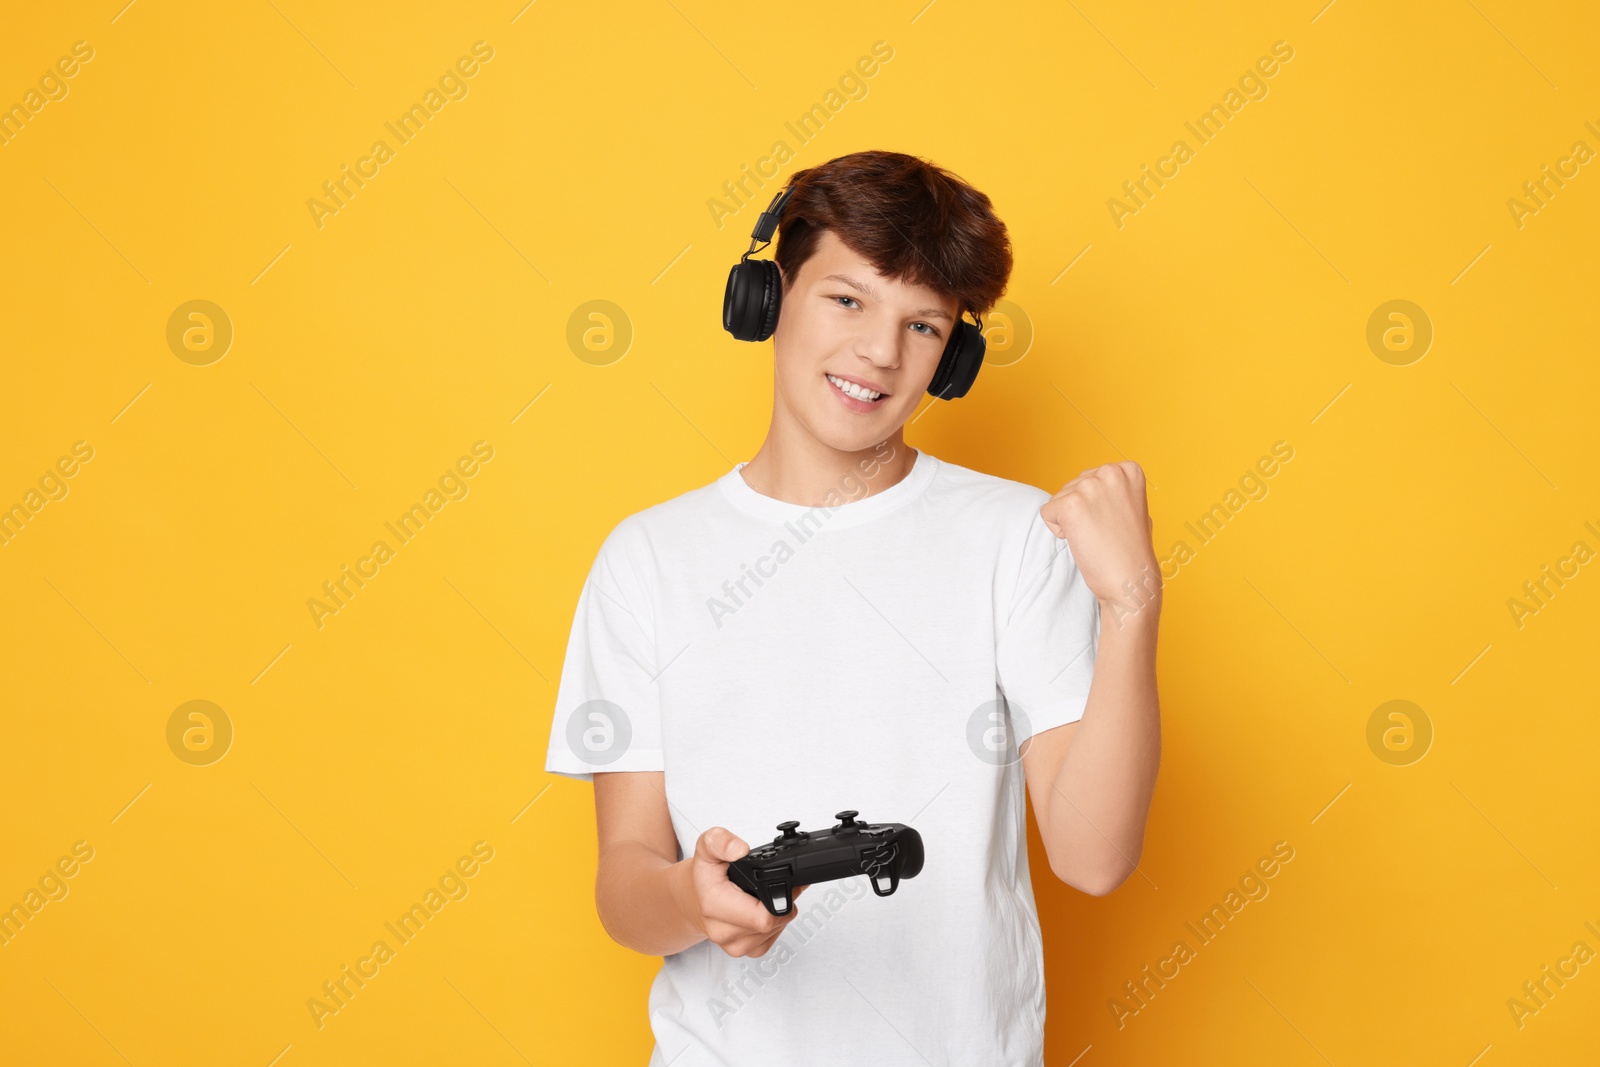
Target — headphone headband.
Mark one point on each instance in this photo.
(767, 223)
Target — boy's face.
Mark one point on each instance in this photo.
(840, 317)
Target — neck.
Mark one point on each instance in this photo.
(799, 469)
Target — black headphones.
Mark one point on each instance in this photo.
(755, 289)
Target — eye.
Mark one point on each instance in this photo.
(933, 331)
(850, 298)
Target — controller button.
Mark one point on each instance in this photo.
(847, 819)
(788, 828)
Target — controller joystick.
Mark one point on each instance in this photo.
(884, 852)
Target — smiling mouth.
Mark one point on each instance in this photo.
(854, 391)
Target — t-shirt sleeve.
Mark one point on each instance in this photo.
(607, 712)
(1046, 649)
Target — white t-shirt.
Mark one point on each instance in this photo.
(779, 661)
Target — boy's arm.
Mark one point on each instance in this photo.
(1091, 781)
(656, 904)
(639, 886)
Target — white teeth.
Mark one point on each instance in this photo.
(852, 389)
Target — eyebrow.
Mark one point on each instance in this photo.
(862, 287)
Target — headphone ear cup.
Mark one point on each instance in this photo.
(772, 298)
(960, 363)
(750, 302)
(744, 288)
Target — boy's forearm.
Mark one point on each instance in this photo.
(1100, 795)
(645, 900)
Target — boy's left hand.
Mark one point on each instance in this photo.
(1104, 518)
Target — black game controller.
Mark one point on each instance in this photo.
(884, 852)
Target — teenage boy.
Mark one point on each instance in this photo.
(846, 622)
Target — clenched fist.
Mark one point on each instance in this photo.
(1104, 518)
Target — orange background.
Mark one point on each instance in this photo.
(372, 346)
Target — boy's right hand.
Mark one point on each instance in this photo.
(731, 918)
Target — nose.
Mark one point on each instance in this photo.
(879, 345)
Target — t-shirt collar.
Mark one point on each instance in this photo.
(855, 508)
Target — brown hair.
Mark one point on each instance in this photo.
(912, 220)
